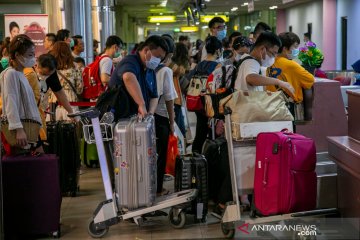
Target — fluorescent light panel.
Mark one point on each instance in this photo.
(162, 19)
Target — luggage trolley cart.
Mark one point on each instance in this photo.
(232, 213)
(108, 213)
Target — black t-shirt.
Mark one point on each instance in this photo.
(53, 82)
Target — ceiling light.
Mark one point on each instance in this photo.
(204, 27)
(176, 29)
(207, 0)
(273, 7)
(207, 18)
(161, 14)
(162, 19)
(157, 24)
(234, 9)
(197, 23)
(245, 4)
(216, 14)
(189, 29)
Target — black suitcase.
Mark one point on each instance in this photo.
(63, 141)
(212, 150)
(191, 172)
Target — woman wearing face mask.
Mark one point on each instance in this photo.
(70, 77)
(16, 93)
(263, 54)
(287, 70)
(241, 46)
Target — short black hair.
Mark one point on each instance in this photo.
(241, 41)
(183, 38)
(268, 39)
(154, 42)
(13, 25)
(51, 37)
(287, 40)
(308, 35)
(79, 60)
(95, 43)
(47, 61)
(233, 35)
(113, 39)
(212, 44)
(261, 27)
(170, 43)
(62, 34)
(215, 20)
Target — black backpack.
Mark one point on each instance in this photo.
(118, 101)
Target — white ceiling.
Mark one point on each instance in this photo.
(140, 9)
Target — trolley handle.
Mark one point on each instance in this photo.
(90, 113)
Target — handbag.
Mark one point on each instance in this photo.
(256, 106)
(30, 126)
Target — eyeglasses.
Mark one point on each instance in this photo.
(220, 27)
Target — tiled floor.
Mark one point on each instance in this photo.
(76, 211)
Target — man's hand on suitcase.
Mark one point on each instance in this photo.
(21, 139)
(142, 112)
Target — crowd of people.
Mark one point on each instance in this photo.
(156, 76)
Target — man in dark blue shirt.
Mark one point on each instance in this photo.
(137, 74)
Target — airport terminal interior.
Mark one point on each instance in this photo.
(180, 119)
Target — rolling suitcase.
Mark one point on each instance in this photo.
(135, 162)
(32, 201)
(63, 141)
(191, 172)
(285, 178)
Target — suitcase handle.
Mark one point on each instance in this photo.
(140, 167)
(265, 172)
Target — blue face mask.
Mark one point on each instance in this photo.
(295, 52)
(153, 63)
(221, 34)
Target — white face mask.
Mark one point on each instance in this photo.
(153, 63)
(268, 61)
(238, 57)
(26, 62)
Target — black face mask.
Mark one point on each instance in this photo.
(227, 54)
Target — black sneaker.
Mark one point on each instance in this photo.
(218, 212)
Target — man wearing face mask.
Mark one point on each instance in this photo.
(217, 29)
(290, 71)
(112, 50)
(136, 73)
(263, 54)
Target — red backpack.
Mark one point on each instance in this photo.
(92, 80)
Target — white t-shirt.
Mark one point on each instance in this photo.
(106, 66)
(166, 90)
(249, 66)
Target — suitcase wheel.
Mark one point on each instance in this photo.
(94, 232)
(179, 221)
(229, 232)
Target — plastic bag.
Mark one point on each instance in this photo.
(172, 153)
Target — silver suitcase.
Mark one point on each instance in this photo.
(135, 162)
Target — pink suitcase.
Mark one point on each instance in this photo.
(285, 177)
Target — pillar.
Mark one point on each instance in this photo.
(78, 21)
(329, 34)
(52, 9)
(281, 21)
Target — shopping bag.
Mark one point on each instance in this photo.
(172, 153)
